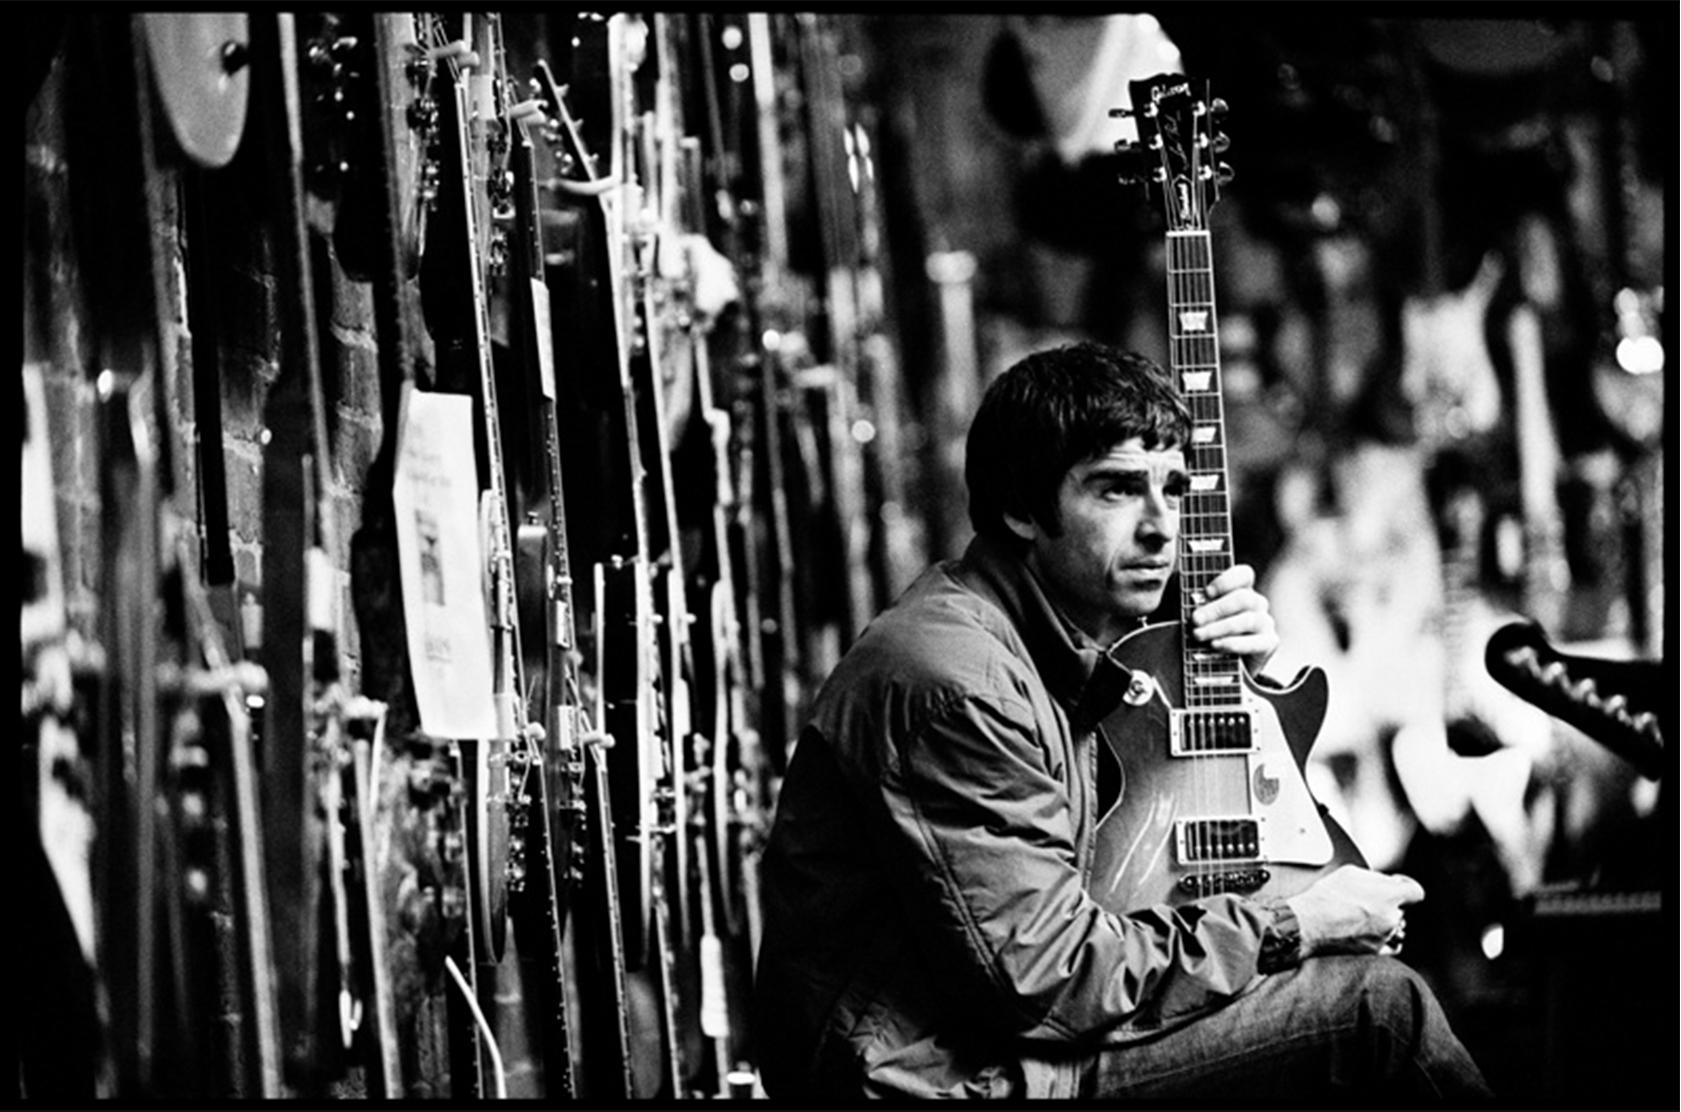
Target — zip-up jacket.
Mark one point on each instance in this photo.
(927, 925)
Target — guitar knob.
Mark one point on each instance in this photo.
(1140, 690)
(235, 57)
(1217, 108)
(1223, 174)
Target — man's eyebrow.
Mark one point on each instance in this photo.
(1111, 468)
(1115, 468)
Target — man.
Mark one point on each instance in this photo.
(928, 925)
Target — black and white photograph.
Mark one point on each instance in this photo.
(1085, 554)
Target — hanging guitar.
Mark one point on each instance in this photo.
(1216, 800)
(647, 152)
(551, 800)
(623, 608)
(392, 186)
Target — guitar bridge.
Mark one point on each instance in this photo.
(1196, 885)
(1202, 841)
(1211, 732)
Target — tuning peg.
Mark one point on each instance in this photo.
(1583, 691)
(1132, 163)
(1121, 113)
(526, 108)
(1217, 108)
(1221, 142)
(1223, 173)
(235, 57)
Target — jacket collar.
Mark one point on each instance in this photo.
(1078, 673)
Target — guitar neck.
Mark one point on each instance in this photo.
(1205, 525)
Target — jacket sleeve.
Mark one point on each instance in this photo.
(978, 828)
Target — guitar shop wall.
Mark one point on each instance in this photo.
(711, 298)
(1440, 266)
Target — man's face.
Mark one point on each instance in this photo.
(1120, 524)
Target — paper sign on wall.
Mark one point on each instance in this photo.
(436, 500)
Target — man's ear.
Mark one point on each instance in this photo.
(1022, 527)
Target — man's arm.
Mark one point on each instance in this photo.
(977, 833)
(1353, 911)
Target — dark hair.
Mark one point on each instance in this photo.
(1052, 410)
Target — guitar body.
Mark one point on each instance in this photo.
(1140, 856)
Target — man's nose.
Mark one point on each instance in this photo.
(1159, 520)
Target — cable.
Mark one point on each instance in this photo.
(484, 1028)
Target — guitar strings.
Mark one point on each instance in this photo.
(1193, 342)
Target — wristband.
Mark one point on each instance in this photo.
(1281, 940)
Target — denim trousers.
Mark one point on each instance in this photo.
(1343, 1030)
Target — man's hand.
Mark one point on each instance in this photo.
(1354, 911)
(1234, 617)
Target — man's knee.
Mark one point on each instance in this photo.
(1394, 994)
(1366, 992)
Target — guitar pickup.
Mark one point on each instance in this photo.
(1211, 732)
(1206, 841)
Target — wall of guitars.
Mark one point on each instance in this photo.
(457, 447)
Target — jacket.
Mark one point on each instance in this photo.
(927, 926)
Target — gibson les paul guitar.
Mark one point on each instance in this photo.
(1212, 796)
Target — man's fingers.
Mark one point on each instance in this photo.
(1234, 578)
(1411, 890)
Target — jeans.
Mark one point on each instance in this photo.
(1336, 1029)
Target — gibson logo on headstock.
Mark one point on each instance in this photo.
(1176, 88)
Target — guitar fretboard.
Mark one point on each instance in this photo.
(1205, 542)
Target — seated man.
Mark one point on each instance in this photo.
(929, 924)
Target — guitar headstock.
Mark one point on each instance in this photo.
(1176, 156)
(576, 161)
(1612, 701)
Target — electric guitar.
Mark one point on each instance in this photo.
(622, 602)
(1213, 798)
(551, 803)
(720, 706)
(648, 192)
